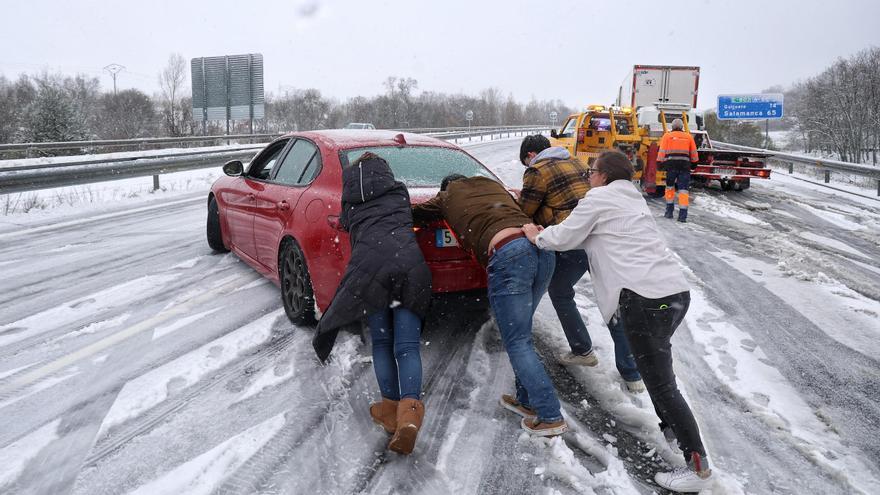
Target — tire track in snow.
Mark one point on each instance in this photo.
(145, 421)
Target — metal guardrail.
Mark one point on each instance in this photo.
(137, 143)
(142, 143)
(822, 165)
(32, 176)
(69, 174)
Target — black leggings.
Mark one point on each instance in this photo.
(649, 325)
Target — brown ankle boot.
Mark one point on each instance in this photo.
(409, 419)
(385, 413)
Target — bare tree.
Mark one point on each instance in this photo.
(838, 111)
(127, 114)
(172, 80)
(398, 108)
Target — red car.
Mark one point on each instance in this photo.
(281, 216)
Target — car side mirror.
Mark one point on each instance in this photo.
(554, 134)
(233, 168)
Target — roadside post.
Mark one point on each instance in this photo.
(469, 116)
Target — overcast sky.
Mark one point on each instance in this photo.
(576, 51)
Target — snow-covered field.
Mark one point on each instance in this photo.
(133, 360)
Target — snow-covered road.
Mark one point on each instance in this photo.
(132, 359)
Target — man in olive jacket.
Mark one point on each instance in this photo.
(487, 222)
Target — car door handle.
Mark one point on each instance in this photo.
(283, 205)
(251, 196)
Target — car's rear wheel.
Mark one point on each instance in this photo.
(296, 285)
(214, 232)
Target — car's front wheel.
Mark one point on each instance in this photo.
(296, 285)
(215, 235)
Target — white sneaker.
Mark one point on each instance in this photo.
(635, 387)
(588, 359)
(694, 477)
(685, 479)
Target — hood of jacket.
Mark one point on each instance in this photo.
(366, 180)
(553, 152)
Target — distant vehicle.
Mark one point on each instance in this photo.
(360, 125)
(652, 84)
(281, 215)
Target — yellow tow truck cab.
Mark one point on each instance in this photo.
(600, 128)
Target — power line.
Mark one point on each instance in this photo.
(114, 69)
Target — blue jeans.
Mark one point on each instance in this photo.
(518, 277)
(396, 358)
(570, 267)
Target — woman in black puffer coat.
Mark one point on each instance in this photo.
(388, 283)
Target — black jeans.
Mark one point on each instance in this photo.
(649, 325)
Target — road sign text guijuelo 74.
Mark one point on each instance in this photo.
(751, 106)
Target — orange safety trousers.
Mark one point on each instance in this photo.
(683, 197)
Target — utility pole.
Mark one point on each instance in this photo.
(114, 69)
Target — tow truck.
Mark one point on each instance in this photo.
(599, 128)
(733, 169)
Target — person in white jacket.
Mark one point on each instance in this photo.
(637, 280)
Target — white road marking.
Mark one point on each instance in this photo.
(111, 340)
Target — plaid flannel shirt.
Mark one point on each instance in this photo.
(552, 188)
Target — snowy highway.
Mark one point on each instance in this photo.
(135, 360)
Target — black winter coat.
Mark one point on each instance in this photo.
(386, 266)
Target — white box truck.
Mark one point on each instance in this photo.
(650, 84)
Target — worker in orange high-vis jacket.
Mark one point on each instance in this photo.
(677, 151)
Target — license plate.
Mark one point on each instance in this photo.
(725, 172)
(445, 238)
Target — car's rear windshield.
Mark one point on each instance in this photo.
(421, 165)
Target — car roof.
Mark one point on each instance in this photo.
(340, 139)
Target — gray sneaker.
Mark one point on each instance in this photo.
(588, 359)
